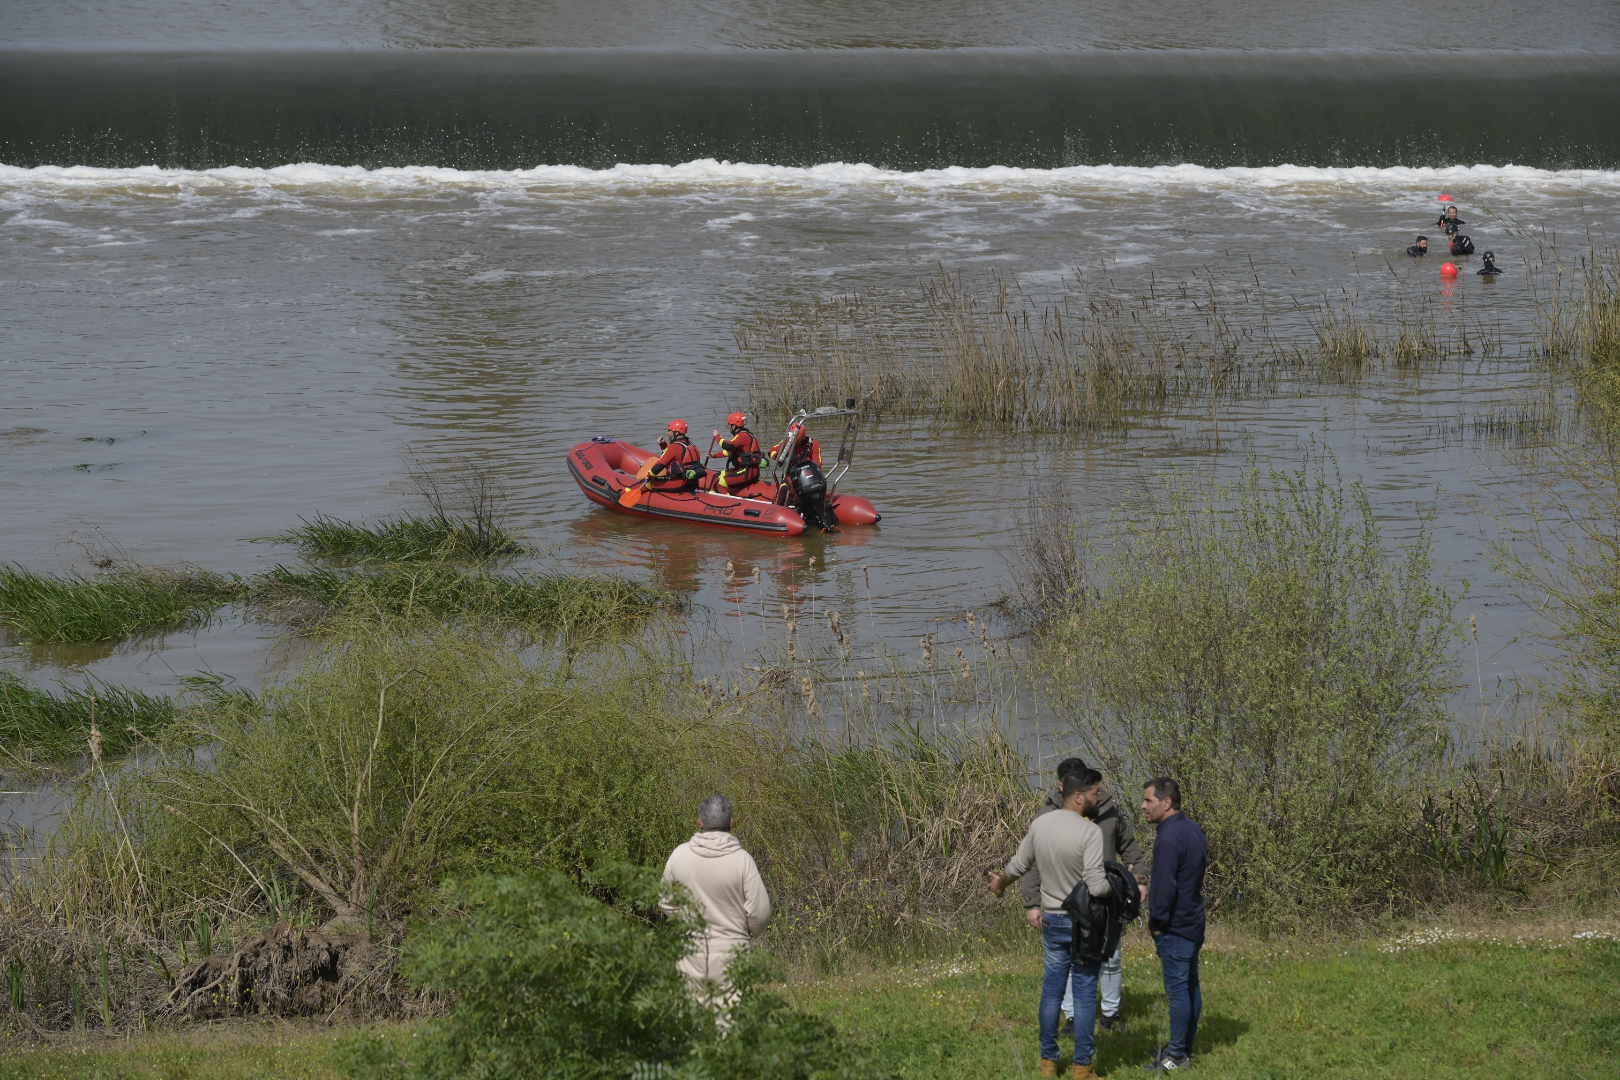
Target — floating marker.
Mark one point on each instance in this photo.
(1444, 197)
(1448, 269)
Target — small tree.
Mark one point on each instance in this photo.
(1281, 666)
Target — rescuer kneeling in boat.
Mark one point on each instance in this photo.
(742, 455)
(680, 466)
(805, 481)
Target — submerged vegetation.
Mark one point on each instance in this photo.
(402, 539)
(38, 727)
(461, 521)
(122, 603)
(1090, 358)
(575, 607)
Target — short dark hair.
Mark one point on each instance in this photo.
(1070, 765)
(1080, 780)
(1423, 239)
(1165, 788)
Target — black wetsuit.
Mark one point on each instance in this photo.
(1415, 251)
(1461, 245)
(1489, 268)
(1442, 221)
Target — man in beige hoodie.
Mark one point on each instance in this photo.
(726, 891)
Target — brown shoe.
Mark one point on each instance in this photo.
(1083, 1072)
(1048, 1067)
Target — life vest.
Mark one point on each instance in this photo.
(685, 464)
(742, 451)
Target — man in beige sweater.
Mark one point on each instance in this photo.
(1067, 848)
(726, 890)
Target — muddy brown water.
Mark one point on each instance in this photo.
(192, 359)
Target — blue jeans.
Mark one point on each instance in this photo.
(1109, 984)
(1179, 958)
(1081, 979)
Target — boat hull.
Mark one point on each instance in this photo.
(604, 467)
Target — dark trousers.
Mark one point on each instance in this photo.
(1179, 958)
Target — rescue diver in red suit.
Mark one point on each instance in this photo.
(669, 472)
(742, 455)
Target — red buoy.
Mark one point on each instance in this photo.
(1445, 197)
(1448, 269)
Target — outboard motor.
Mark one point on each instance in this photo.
(810, 486)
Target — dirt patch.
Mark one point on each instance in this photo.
(285, 971)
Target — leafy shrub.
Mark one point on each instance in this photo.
(547, 977)
(396, 755)
(1287, 672)
(542, 973)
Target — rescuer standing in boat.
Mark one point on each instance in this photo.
(680, 466)
(804, 482)
(742, 455)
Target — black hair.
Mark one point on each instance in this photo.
(1080, 780)
(1451, 229)
(1422, 239)
(1070, 765)
(1165, 788)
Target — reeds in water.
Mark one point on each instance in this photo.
(1090, 358)
(406, 538)
(123, 603)
(38, 727)
(572, 606)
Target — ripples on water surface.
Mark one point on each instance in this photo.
(194, 358)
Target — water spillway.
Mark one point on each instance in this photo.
(898, 109)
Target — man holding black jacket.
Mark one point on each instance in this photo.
(1176, 914)
(1119, 845)
(1067, 848)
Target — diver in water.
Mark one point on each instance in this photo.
(1419, 248)
(1460, 243)
(1449, 217)
(1490, 269)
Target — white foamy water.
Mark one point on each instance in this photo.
(708, 173)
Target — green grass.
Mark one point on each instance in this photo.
(1283, 1009)
(126, 602)
(38, 727)
(575, 607)
(1273, 1009)
(409, 538)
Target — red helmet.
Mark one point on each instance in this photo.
(738, 419)
(678, 426)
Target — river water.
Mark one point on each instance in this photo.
(250, 279)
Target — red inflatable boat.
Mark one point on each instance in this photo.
(604, 468)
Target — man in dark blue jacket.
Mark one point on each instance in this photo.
(1176, 914)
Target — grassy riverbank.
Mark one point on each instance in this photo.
(1425, 1002)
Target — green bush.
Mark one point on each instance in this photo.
(1289, 673)
(545, 976)
(579, 986)
(398, 755)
